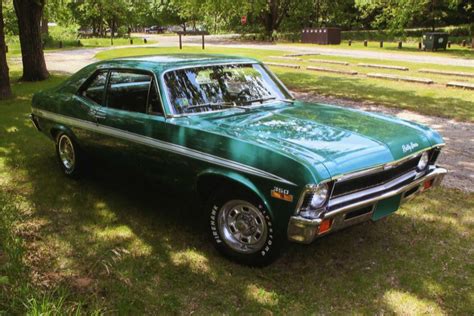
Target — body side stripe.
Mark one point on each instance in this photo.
(151, 142)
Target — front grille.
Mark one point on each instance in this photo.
(374, 179)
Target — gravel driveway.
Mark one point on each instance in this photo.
(457, 156)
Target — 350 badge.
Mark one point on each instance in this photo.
(282, 194)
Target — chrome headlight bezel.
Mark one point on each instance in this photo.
(424, 161)
(320, 195)
(313, 206)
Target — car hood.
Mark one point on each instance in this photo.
(343, 140)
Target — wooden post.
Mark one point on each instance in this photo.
(60, 44)
(464, 43)
(400, 45)
(180, 42)
(365, 43)
(349, 42)
(131, 41)
(449, 44)
(202, 41)
(419, 45)
(144, 40)
(381, 44)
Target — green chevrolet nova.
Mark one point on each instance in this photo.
(266, 167)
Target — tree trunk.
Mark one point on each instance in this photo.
(472, 34)
(44, 25)
(5, 89)
(29, 14)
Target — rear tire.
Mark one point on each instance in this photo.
(69, 155)
(242, 229)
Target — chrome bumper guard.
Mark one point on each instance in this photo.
(304, 230)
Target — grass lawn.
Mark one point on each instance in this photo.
(14, 48)
(108, 243)
(426, 99)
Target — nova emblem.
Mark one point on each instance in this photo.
(409, 147)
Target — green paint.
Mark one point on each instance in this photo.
(386, 207)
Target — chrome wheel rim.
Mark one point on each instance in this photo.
(66, 152)
(242, 226)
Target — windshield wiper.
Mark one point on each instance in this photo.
(222, 105)
(261, 100)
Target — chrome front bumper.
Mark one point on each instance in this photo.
(341, 215)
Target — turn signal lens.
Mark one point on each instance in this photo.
(427, 184)
(325, 226)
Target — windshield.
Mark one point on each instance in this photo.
(214, 88)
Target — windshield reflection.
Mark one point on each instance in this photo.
(214, 88)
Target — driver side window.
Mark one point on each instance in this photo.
(95, 90)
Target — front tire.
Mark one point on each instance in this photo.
(242, 229)
(69, 155)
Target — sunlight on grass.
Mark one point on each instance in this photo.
(12, 129)
(403, 303)
(262, 296)
(196, 261)
(115, 233)
(105, 213)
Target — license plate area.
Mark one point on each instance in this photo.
(386, 207)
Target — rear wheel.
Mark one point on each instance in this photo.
(69, 156)
(242, 229)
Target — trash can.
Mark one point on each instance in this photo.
(323, 36)
(435, 40)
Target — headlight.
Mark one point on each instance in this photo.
(320, 195)
(423, 161)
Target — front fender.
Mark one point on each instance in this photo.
(232, 177)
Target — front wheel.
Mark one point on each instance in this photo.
(242, 229)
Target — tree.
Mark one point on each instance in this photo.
(29, 13)
(5, 89)
(273, 13)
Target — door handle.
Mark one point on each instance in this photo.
(98, 114)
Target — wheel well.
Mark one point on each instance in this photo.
(208, 184)
(54, 132)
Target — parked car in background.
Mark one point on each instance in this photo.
(266, 167)
(155, 29)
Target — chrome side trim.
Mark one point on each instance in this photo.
(158, 144)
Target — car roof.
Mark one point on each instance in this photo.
(161, 63)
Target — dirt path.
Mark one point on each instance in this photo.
(228, 41)
(457, 156)
(74, 59)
